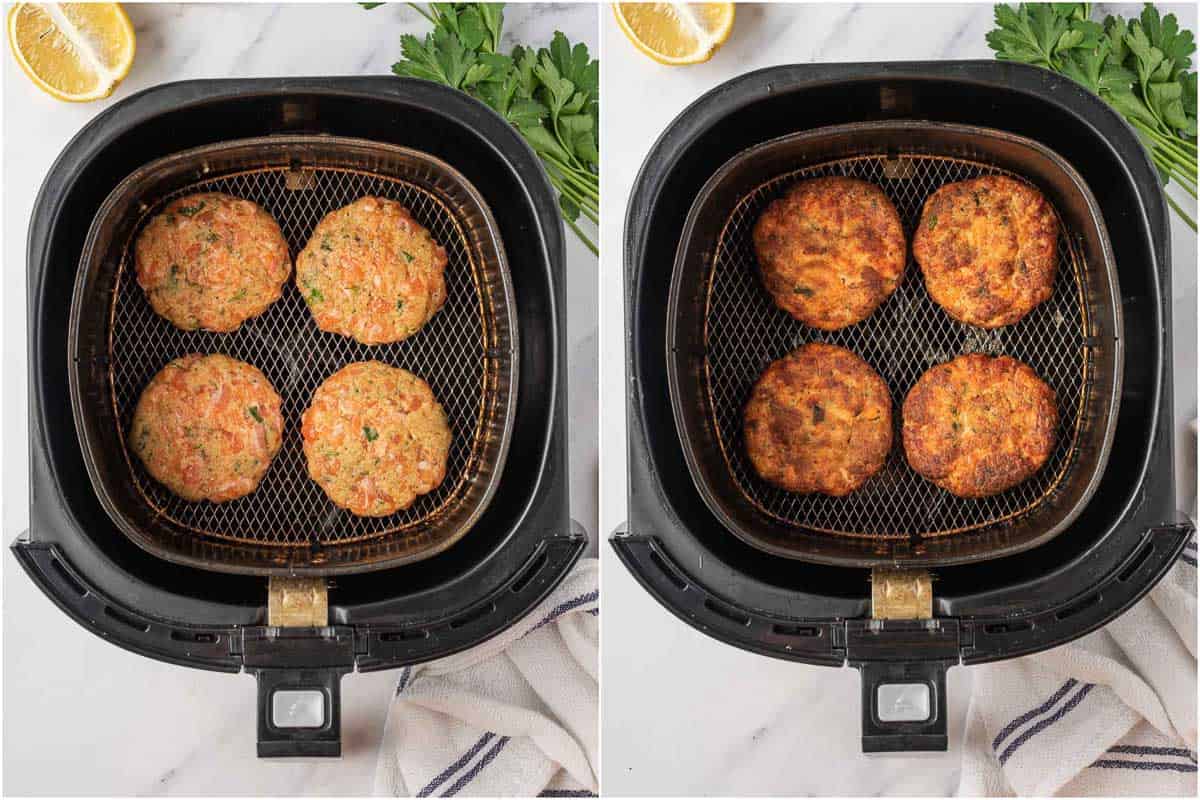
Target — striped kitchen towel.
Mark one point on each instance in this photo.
(516, 716)
(1112, 714)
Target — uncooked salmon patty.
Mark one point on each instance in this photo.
(830, 251)
(988, 249)
(375, 438)
(371, 272)
(211, 261)
(207, 427)
(819, 420)
(979, 424)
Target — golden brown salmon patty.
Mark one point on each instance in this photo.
(819, 420)
(979, 424)
(370, 271)
(207, 427)
(830, 251)
(375, 438)
(988, 248)
(211, 261)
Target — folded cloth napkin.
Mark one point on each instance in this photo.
(1113, 713)
(516, 716)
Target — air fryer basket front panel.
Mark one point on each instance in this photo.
(723, 330)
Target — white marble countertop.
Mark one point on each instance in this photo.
(80, 715)
(683, 713)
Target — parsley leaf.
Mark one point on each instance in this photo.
(551, 95)
(191, 211)
(1141, 67)
(370, 433)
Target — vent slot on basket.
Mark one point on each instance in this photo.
(744, 332)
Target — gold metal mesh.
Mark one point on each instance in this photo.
(908, 334)
(451, 352)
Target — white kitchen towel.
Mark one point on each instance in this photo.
(516, 716)
(1112, 714)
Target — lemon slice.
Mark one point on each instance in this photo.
(676, 33)
(73, 51)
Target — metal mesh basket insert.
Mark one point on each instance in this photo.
(723, 329)
(907, 335)
(466, 353)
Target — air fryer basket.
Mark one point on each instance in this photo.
(723, 330)
(467, 353)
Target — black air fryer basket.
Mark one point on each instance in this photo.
(813, 578)
(189, 583)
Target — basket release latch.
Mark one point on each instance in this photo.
(901, 594)
(297, 602)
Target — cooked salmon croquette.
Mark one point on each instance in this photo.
(371, 272)
(830, 251)
(211, 261)
(819, 420)
(988, 249)
(207, 427)
(979, 424)
(375, 438)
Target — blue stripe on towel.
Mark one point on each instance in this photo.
(1141, 750)
(1162, 766)
(1042, 709)
(566, 606)
(567, 793)
(479, 765)
(457, 765)
(405, 675)
(1033, 730)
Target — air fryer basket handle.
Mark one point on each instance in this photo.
(903, 706)
(299, 712)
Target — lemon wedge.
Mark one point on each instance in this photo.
(676, 33)
(72, 51)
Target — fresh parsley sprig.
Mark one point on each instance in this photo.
(551, 94)
(1140, 67)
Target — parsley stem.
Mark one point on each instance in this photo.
(1180, 158)
(1187, 182)
(573, 193)
(1186, 166)
(590, 246)
(1170, 200)
(584, 202)
(589, 186)
(1188, 186)
(581, 191)
(565, 191)
(1178, 171)
(1168, 144)
(416, 7)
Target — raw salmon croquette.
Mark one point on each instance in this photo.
(819, 420)
(830, 251)
(371, 272)
(207, 427)
(375, 438)
(979, 424)
(988, 249)
(211, 261)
